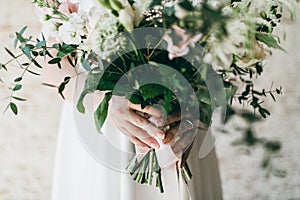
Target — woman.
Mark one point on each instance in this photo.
(79, 175)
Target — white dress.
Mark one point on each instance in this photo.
(79, 176)
(91, 166)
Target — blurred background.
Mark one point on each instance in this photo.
(28, 141)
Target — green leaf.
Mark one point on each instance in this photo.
(273, 97)
(56, 46)
(101, 112)
(273, 146)
(279, 90)
(2, 66)
(86, 65)
(9, 52)
(19, 98)
(13, 108)
(263, 112)
(18, 79)
(25, 64)
(61, 88)
(64, 50)
(90, 86)
(17, 87)
(20, 33)
(35, 53)
(67, 79)
(80, 105)
(107, 85)
(20, 38)
(263, 14)
(40, 44)
(71, 62)
(169, 11)
(54, 61)
(36, 63)
(26, 50)
(151, 90)
(269, 40)
(135, 99)
(186, 5)
(32, 72)
(22, 30)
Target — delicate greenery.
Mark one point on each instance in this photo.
(236, 34)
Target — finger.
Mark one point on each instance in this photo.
(146, 125)
(142, 135)
(173, 118)
(180, 128)
(183, 143)
(176, 117)
(159, 122)
(138, 142)
(170, 134)
(128, 132)
(151, 110)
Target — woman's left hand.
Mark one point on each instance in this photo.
(181, 134)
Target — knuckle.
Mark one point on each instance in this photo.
(133, 139)
(140, 121)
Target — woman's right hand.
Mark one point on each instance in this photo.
(136, 127)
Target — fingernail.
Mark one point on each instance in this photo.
(154, 145)
(161, 135)
(165, 141)
(160, 123)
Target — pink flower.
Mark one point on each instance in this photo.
(68, 7)
(183, 47)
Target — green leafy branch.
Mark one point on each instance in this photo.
(32, 51)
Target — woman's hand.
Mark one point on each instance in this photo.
(128, 118)
(181, 136)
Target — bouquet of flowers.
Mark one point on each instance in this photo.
(181, 55)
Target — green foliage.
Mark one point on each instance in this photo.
(268, 40)
(13, 108)
(90, 87)
(205, 19)
(2, 66)
(101, 112)
(32, 51)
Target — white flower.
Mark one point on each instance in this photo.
(50, 29)
(126, 18)
(140, 7)
(105, 39)
(70, 32)
(233, 44)
(93, 17)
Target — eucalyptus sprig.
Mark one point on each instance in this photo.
(35, 53)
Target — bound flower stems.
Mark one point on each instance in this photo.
(145, 169)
